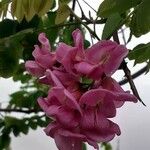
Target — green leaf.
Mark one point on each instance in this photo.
(111, 25)
(4, 141)
(84, 147)
(16, 125)
(51, 33)
(42, 7)
(123, 5)
(24, 99)
(106, 146)
(62, 13)
(140, 23)
(29, 10)
(141, 53)
(65, 1)
(20, 74)
(106, 8)
(86, 43)
(7, 27)
(33, 124)
(10, 51)
(17, 9)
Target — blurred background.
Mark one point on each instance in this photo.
(133, 119)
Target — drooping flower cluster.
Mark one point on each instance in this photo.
(83, 95)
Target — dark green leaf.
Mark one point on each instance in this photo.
(106, 146)
(84, 147)
(33, 124)
(140, 23)
(123, 5)
(23, 99)
(140, 53)
(16, 125)
(111, 25)
(108, 7)
(7, 27)
(48, 21)
(4, 141)
(10, 52)
(86, 43)
(62, 13)
(33, 23)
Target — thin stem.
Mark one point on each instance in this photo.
(135, 75)
(73, 8)
(8, 110)
(123, 37)
(89, 6)
(88, 28)
(127, 72)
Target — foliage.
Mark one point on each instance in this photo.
(18, 35)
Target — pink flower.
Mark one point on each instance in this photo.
(121, 96)
(68, 56)
(65, 139)
(62, 106)
(44, 58)
(81, 112)
(103, 58)
(98, 105)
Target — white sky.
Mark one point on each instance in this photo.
(133, 119)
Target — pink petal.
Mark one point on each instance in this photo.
(78, 39)
(51, 129)
(46, 61)
(84, 68)
(43, 103)
(64, 116)
(116, 57)
(33, 68)
(44, 41)
(96, 53)
(63, 50)
(121, 95)
(51, 77)
(95, 96)
(104, 134)
(71, 134)
(108, 108)
(67, 143)
(93, 143)
(66, 98)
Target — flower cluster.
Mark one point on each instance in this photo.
(83, 95)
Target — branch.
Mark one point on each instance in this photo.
(88, 28)
(73, 8)
(89, 6)
(128, 73)
(19, 110)
(135, 75)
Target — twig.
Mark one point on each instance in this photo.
(88, 28)
(8, 110)
(127, 72)
(89, 6)
(73, 8)
(123, 37)
(135, 75)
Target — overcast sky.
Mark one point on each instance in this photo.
(133, 119)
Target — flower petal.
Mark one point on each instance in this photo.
(116, 57)
(33, 68)
(94, 96)
(44, 41)
(67, 143)
(78, 39)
